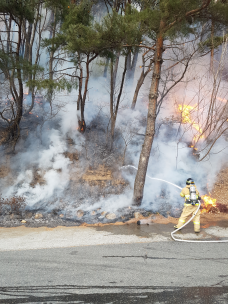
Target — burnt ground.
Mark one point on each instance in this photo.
(93, 185)
(124, 216)
(93, 175)
(220, 189)
(54, 219)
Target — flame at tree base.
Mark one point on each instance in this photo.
(209, 205)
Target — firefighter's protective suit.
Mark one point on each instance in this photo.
(189, 209)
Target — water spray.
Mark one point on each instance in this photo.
(154, 177)
(194, 214)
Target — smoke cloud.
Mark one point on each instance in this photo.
(171, 157)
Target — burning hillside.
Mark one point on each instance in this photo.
(208, 204)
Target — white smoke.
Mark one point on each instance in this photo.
(54, 166)
(171, 158)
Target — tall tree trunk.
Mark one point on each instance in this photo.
(14, 128)
(140, 83)
(80, 84)
(128, 76)
(151, 118)
(27, 50)
(212, 48)
(134, 61)
(112, 111)
(22, 49)
(33, 74)
(51, 59)
(115, 70)
(28, 38)
(8, 27)
(81, 122)
(114, 107)
(106, 68)
(141, 79)
(31, 45)
(133, 66)
(138, 86)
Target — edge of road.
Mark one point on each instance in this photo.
(26, 238)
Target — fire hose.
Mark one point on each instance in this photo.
(194, 214)
(193, 241)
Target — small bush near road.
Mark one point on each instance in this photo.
(13, 204)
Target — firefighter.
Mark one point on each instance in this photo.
(191, 195)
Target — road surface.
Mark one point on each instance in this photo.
(97, 265)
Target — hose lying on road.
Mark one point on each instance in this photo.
(194, 214)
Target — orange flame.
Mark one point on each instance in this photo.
(186, 118)
(208, 203)
(221, 99)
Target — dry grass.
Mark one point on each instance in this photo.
(13, 204)
(220, 189)
(101, 176)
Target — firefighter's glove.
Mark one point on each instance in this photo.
(199, 198)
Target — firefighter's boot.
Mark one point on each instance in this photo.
(196, 222)
(196, 226)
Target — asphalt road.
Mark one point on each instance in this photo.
(157, 272)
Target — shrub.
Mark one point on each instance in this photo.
(13, 204)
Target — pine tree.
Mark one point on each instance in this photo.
(12, 64)
(87, 39)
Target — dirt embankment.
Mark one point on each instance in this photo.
(102, 175)
(220, 189)
(107, 182)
